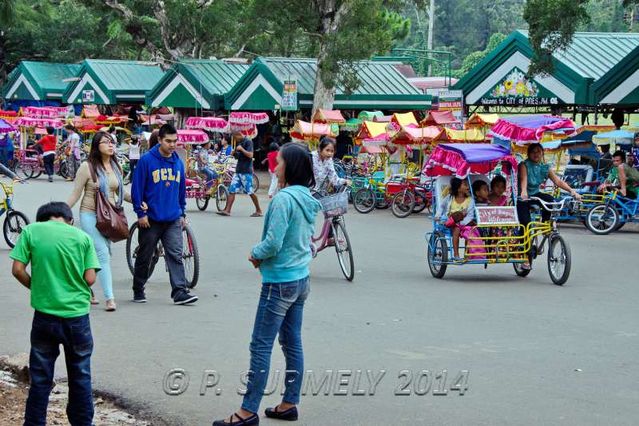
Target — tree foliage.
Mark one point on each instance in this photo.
(552, 24)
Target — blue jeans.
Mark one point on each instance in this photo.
(47, 334)
(210, 175)
(279, 311)
(102, 249)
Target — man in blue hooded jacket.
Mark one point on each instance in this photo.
(159, 182)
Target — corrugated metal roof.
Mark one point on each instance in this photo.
(126, 75)
(591, 55)
(217, 77)
(50, 76)
(376, 78)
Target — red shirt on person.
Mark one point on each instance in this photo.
(272, 161)
(48, 143)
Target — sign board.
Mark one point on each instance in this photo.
(518, 90)
(289, 95)
(452, 100)
(88, 96)
(449, 100)
(497, 215)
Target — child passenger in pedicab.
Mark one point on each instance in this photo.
(458, 206)
(497, 196)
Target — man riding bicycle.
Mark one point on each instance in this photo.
(622, 175)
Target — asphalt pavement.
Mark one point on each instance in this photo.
(521, 350)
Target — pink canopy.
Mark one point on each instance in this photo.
(531, 128)
(248, 118)
(44, 112)
(187, 137)
(39, 122)
(460, 159)
(212, 124)
(439, 118)
(328, 116)
(419, 135)
(303, 130)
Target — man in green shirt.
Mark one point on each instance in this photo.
(622, 175)
(63, 266)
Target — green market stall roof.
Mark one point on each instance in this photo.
(196, 84)
(39, 81)
(381, 86)
(109, 82)
(620, 85)
(500, 78)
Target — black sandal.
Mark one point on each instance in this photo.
(252, 420)
(290, 414)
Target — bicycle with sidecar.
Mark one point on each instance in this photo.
(497, 237)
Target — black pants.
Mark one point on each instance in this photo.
(170, 233)
(523, 208)
(132, 164)
(48, 164)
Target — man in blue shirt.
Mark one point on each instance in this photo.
(159, 182)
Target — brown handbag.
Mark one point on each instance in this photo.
(111, 220)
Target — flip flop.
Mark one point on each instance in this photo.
(257, 215)
(223, 213)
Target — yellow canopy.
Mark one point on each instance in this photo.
(404, 119)
(481, 120)
(468, 135)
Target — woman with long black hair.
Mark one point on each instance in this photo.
(103, 164)
(283, 257)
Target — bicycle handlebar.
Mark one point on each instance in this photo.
(552, 206)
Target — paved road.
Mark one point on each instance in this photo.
(537, 353)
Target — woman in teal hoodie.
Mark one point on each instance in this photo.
(283, 257)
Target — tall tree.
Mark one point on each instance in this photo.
(548, 34)
(339, 33)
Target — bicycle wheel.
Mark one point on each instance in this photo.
(221, 197)
(364, 200)
(420, 203)
(132, 247)
(602, 219)
(190, 257)
(256, 183)
(202, 202)
(559, 259)
(437, 255)
(520, 271)
(344, 250)
(63, 170)
(403, 204)
(14, 223)
(36, 173)
(26, 170)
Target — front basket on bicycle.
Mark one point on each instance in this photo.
(334, 205)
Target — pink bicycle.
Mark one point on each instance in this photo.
(335, 207)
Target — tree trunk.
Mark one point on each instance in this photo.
(331, 18)
(3, 63)
(323, 96)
